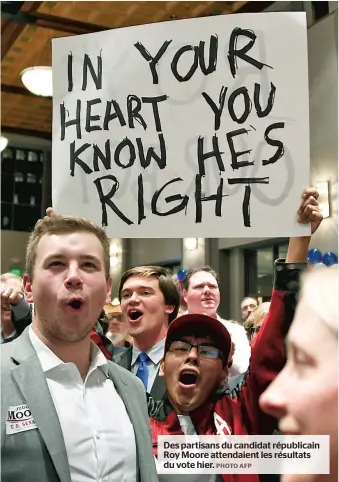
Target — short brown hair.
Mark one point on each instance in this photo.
(167, 286)
(192, 271)
(249, 298)
(64, 225)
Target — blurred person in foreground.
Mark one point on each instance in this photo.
(255, 320)
(65, 408)
(304, 396)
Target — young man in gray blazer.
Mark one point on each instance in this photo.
(69, 414)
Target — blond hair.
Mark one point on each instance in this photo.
(320, 289)
(63, 225)
(257, 316)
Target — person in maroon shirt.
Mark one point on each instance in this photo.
(197, 350)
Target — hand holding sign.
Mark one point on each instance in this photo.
(50, 212)
(309, 211)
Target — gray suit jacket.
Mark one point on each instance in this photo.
(40, 454)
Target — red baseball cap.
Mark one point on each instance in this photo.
(193, 324)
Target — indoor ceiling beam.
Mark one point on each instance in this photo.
(29, 14)
(25, 132)
(11, 30)
(14, 89)
(251, 6)
(9, 34)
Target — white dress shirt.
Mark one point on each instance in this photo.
(155, 355)
(98, 433)
(242, 352)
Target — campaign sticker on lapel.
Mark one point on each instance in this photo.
(19, 419)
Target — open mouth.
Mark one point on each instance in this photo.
(134, 315)
(76, 304)
(188, 378)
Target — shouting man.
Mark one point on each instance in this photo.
(75, 406)
(149, 302)
(202, 295)
(197, 353)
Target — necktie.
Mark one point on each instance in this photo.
(142, 372)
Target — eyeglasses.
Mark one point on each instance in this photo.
(111, 316)
(185, 347)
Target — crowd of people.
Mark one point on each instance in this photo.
(71, 411)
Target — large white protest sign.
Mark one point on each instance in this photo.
(188, 128)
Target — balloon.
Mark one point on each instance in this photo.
(181, 274)
(318, 265)
(330, 258)
(314, 256)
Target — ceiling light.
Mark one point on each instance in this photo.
(38, 80)
(114, 250)
(113, 261)
(3, 143)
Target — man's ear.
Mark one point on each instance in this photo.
(109, 290)
(162, 368)
(169, 309)
(184, 295)
(223, 376)
(27, 282)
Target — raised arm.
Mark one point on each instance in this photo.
(268, 352)
(308, 212)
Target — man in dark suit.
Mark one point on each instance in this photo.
(149, 302)
(66, 408)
